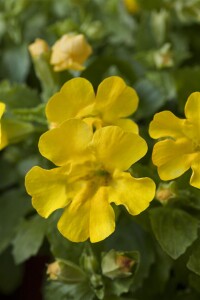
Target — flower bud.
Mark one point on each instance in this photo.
(165, 191)
(38, 48)
(163, 57)
(53, 270)
(119, 264)
(70, 52)
(65, 271)
(132, 6)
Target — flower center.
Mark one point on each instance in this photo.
(191, 131)
(102, 177)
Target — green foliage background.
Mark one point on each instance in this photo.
(156, 51)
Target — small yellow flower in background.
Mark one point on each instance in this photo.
(38, 48)
(70, 52)
(53, 270)
(2, 109)
(132, 6)
(180, 149)
(113, 102)
(89, 177)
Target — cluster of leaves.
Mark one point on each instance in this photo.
(156, 51)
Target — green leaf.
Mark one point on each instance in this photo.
(18, 95)
(9, 177)
(14, 205)
(59, 291)
(160, 273)
(29, 237)
(97, 70)
(10, 274)
(194, 281)
(174, 229)
(69, 272)
(187, 81)
(16, 130)
(60, 246)
(151, 98)
(15, 63)
(194, 259)
(138, 240)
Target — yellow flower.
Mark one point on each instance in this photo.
(70, 52)
(113, 102)
(180, 149)
(38, 48)
(132, 6)
(2, 109)
(89, 178)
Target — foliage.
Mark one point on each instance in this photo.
(155, 50)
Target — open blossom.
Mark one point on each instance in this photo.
(113, 102)
(70, 52)
(179, 149)
(89, 177)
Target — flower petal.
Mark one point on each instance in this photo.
(195, 178)
(127, 125)
(74, 97)
(75, 220)
(48, 188)
(2, 108)
(102, 217)
(166, 124)
(134, 193)
(192, 112)
(115, 99)
(117, 149)
(89, 215)
(66, 143)
(173, 158)
(192, 107)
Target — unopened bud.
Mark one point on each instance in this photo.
(165, 191)
(65, 271)
(132, 6)
(53, 270)
(119, 264)
(70, 52)
(37, 48)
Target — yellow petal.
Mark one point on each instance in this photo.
(173, 158)
(89, 215)
(66, 143)
(117, 149)
(48, 188)
(195, 178)
(192, 107)
(134, 193)
(166, 124)
(75, 96)
(102, 217)
(115, 99)
(75, 220)
(3, 138)
(127, 125)
(192, 112)
(2, 109)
